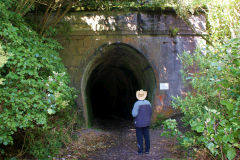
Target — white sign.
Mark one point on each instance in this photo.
(164, 86)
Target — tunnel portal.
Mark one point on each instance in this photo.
(115, 75)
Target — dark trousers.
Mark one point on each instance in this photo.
(140, 133)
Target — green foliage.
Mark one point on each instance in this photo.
(173, 31)
(172, 125)
(34, 84)
(123, 5)
(159, 121)
(223, 19)
(170, 130)
(212, 110)
(44, 144)
(3, 59)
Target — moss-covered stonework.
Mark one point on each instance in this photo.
(136, 48)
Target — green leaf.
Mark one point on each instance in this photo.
(231, 153)
(5, 143)
(225, 138)
(227, 104)
(236, 145)
(200, 129)
(211, 147)
(51, 111)
(193, 123)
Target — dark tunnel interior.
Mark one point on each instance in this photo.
(113, 81)
(112, 92)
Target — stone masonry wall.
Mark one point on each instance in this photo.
(151, 33)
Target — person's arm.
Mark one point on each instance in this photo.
(135, 110)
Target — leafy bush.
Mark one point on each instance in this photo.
(44, 144)
(212, 109)
(158, 121)
(33, 81)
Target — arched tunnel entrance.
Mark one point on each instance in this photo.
(111, 81)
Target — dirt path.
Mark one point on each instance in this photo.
(117, 141)
(125, 146)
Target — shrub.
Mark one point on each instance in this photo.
(212, 109)
(34, 84)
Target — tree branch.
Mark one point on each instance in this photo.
(58, 17)
(45, 19)
(29, 7)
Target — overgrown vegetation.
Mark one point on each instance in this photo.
(159, 121)
(35, 97)
(36, 100)
(212, 108)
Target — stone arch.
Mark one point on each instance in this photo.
(111, 79)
